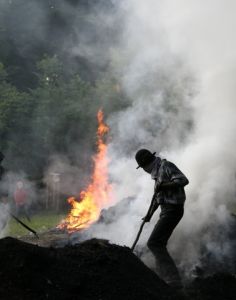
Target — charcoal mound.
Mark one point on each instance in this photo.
(113, 213)
(220, 286)
(93, 269)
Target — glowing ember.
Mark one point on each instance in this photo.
(99, 192)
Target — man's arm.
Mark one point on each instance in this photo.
(177, 178)
(154, 205)
(149, 215)
(175, 183)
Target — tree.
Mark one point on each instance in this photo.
(63, 114)
(15, 115)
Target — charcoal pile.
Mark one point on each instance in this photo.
(220, 286)
(93, 269)
(113, 213)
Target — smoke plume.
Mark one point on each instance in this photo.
(178, 71)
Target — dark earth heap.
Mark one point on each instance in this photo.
(93, 269)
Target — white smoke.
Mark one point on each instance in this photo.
(178, 70)
(4, 218)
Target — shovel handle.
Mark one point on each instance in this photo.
(138, 235)
(144, 221)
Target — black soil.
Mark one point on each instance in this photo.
(94, 270)
(220, 286)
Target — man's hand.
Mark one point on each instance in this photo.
(147, 218)
(157, 186)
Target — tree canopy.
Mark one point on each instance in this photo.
(49, 95)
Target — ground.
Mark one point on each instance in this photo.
(92, 270)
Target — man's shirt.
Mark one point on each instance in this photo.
(166, 171)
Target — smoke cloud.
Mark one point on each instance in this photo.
(178, 72)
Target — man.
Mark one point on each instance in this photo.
(169, 194)
(21, 198)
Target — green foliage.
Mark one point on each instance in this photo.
(31, 29)
(49, 98)
(3, 73)
(50, 70)
(56, 117)
(15, 112)
(61, 108)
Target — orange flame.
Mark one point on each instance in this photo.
(99, 192)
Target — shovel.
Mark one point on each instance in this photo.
(144, 221)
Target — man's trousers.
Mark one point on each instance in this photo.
(169, 218)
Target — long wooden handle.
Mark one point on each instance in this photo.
(141, 227)
(138, 235)
(24, 225)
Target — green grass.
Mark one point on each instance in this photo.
(39, 222)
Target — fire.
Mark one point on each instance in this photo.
(98, 194)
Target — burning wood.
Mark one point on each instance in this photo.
(98, 194)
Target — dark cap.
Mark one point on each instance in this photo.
(144, 157)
